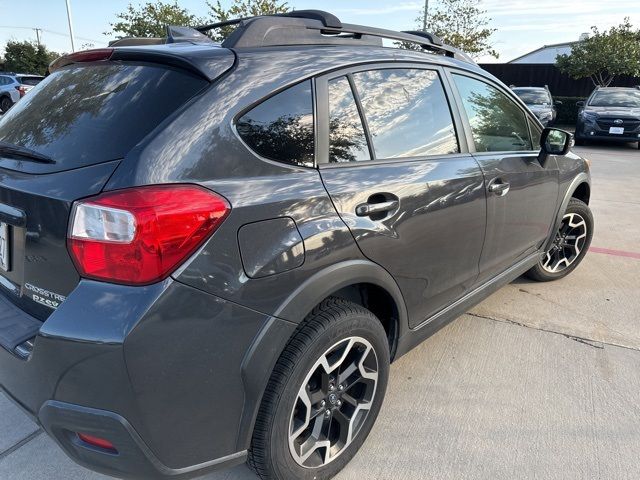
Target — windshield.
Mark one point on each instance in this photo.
(616, 98)
(534, 97)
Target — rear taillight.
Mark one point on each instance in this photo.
(138, 236)
(22, 90)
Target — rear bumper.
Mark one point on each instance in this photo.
(133, 459)
(156, 370)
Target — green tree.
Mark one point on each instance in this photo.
(241, 9)
(151, 19)
(604, 55)
(461, 24)
(27, 57)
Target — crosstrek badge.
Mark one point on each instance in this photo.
(44, 297)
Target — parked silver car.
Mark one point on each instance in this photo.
(14, 86)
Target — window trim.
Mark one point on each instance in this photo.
(322, 99)
(450, 72)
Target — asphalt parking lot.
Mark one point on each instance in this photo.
(539, 381)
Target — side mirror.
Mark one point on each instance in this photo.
(580, 104)
(558, 102)
(554, 142)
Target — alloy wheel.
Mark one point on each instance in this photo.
(567, 245)
(333, 402)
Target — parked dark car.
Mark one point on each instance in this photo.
(211, 254)
(540, 102)
(610, 113)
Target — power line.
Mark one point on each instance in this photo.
(52, 32)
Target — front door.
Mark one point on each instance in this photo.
(521, 193)
(394, 169)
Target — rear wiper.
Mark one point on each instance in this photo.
(22, 153)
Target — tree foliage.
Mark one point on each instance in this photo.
(27, 57)
(604, 55)
(241, 9)
(151, 19)
(461, 24)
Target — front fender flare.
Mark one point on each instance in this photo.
(581, 178)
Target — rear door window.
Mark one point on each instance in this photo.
(407, 113)
(281, 127)
(87, 114)
(347, 140)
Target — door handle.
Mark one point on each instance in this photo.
(499, 188)
(367, 209)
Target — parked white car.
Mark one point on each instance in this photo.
(14, 86)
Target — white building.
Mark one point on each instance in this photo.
(546, 54)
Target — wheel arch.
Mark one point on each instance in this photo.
(360, 281)
(580, 187)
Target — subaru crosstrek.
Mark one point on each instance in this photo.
(212, 253)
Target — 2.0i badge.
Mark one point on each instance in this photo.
(44, 297)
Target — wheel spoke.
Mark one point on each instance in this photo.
(333, 402)
(567, 244)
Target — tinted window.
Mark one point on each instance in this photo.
(407, 113)
(347, 140)
(497, 123)
(535, 135)
(83, 115)
(32, 81)
(281, 128)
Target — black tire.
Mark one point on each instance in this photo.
(580, 141)
(5, 104)
(330, 322)
(539, 273)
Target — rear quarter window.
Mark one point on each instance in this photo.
(281, 127)
(84, 115)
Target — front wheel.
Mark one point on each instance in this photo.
(324, 394)
(569, 246)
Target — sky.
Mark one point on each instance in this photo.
(522, 25)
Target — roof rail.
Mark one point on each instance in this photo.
(315, 27)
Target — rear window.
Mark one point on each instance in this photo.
(31, 81)
(84, 115)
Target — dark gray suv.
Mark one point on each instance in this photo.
(211, 254)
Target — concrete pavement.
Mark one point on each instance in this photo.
(540, 381)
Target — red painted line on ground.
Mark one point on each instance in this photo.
(617, 253)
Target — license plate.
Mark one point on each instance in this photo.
(616, 130)
(4, 247)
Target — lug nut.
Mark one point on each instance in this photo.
(339, 403)
(340, 387)
(323, 403)
(327, 412)
(332, 387)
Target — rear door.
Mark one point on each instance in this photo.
(521, 193)
(392, 163)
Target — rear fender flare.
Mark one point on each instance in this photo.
(263, 354)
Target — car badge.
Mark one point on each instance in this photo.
(618, 121)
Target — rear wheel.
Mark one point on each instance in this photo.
(569, 246)
(5, 104)
(323, 396)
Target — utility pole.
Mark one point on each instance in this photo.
(38, 30)
(73, 46)
(424, 18)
